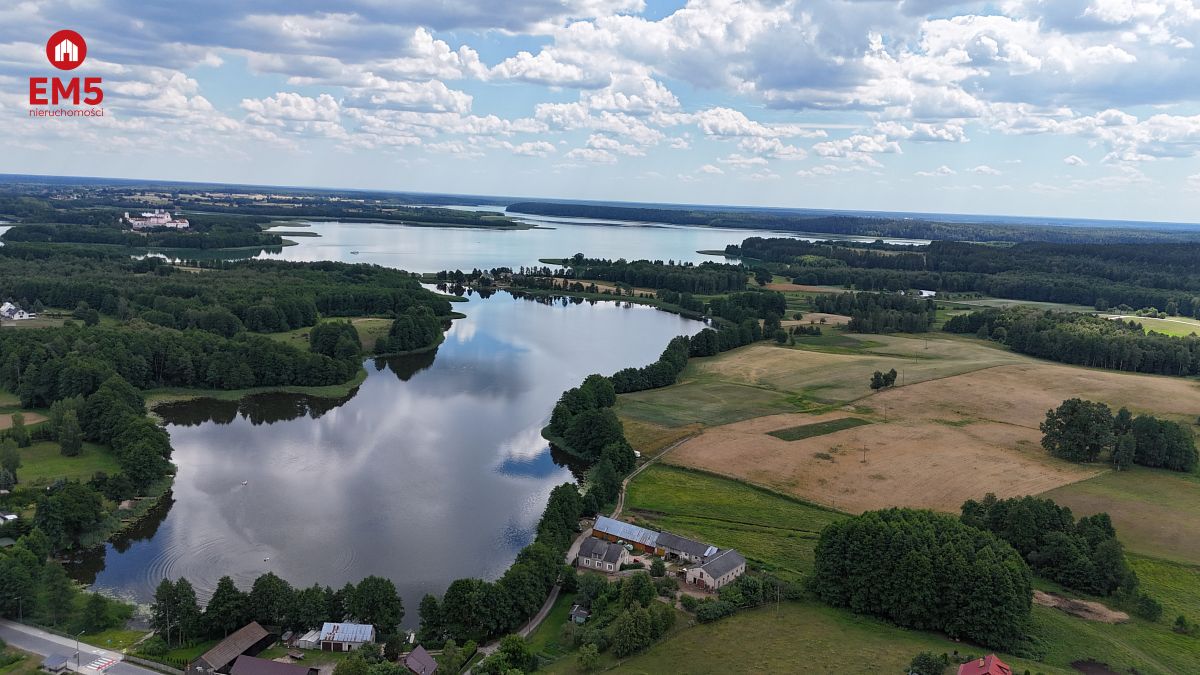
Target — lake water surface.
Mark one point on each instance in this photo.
(434, 469)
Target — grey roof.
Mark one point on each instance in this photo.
(578, 610)
(234, 646)
(420, 661)
(723, 563)
(598, 548)
(249, 665)
(626, 531)
(592, 547)
(688, 546)
(347, 632)
(55, 662)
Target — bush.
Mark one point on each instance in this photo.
(689, 603)
(657, 567)
(712, 610)
(928, 663)
(153, 647)
(1147, 607)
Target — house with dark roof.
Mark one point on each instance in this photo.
(618, 531)
(420, 661)
(249, 640)
(718, 570)
(988, 665)
(681, 548)
(601, 555)
(251, 665)
(579, 614)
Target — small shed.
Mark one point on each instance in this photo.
(55, 663)
(579, 614)
(420, 661)
(310, 640)
(345, 637)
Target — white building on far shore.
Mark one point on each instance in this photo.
(156, 218)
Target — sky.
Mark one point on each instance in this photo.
(1070, 108)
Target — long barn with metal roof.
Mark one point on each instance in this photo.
(615, 530)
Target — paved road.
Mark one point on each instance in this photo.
(40, 642)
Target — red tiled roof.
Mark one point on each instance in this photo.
(988, 665)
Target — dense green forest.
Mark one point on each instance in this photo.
(205, 232)
(879, 312)
(1133, 275)
(707, 278)
(1083, 339)
(925, 570)
(860, 226)
(224, 298)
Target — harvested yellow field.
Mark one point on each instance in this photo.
(918, 463)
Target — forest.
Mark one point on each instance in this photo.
(205, 232)
(928, 571)
(879, 312)
(1083, 339)
(1120, 275)
(860, 226)
(707, 278)
(224, 298)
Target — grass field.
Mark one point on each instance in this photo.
(817, 428)
(370, 329)
(1177, 325)
(546, 640)
(774, 532)
(1156, 512)
(1007, 302)
(800, 637)
(758, 523)
(42, 463)
(833, 369)
(172, 394)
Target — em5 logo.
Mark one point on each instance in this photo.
(65, 50)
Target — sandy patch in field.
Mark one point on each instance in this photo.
(30, 418)
(917, 463)
(815, 318)
(1084, 609)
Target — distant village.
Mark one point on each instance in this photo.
(158, 218)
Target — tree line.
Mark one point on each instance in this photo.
(35, 587)
(1080, 431)
(233, 235)
(879, 312)
(707, 278)
(1082, 339)
(177, 618)
(1131, 275)
(861, 226)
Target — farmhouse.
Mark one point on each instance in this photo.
(988, 665)
(250, 665)
(615, 530)
(420, 661)
(718, 570)
(344, 637)
(14, 312)
(249, 639)
(601, 555)
(682, 548)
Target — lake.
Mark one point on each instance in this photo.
(432, 249)
(433, 469)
